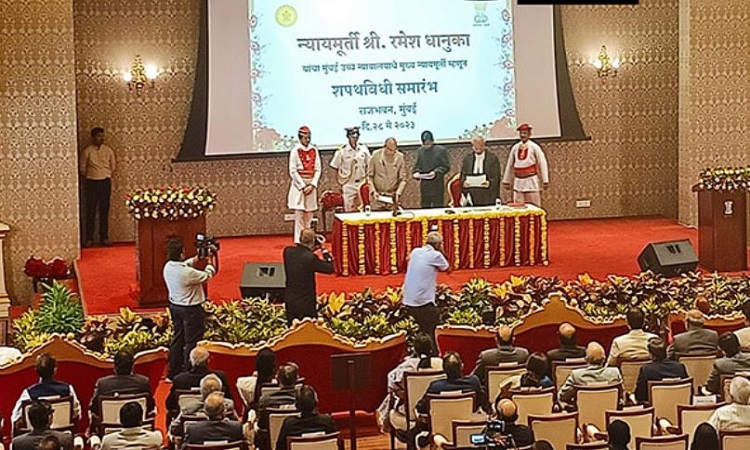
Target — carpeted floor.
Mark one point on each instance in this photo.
(599, 247)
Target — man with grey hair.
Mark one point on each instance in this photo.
(736, 415)
(696, 339)
(185, 381)
(420, 284)
(386, 175)
(596, 372)
(480, 164)
(210, 384)
(217, 427)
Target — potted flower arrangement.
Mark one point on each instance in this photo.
(43, 273)
(170, 203)
(724, 179)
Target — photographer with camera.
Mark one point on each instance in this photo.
(186, 296)
(301, 264)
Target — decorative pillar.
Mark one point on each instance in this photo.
(4, 298)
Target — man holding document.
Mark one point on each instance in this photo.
(480, 175)
(386, 175)
(430, 169)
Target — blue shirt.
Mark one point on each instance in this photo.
(421, 275)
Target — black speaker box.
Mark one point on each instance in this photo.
(265, 280)
(670, 258)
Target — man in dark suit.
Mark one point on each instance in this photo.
(505, 352)
(301, 264)
(734, 361)
(696, 339)
(568, 345)
(191, 379)
(40, 416)
(310, 421)
(287, 375)
(121, 383)
(481, 162)
(658, 369)
(216, 428)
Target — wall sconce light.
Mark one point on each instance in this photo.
(139, 75)
(604, 65)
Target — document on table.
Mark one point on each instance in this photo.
(385, 199)
(475, 181)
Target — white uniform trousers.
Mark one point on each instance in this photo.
(302, 220)
(352, 199)
(534, 197)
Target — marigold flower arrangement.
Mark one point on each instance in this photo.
(724, 179)
(170, 203)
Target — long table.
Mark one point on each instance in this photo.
(473, 237)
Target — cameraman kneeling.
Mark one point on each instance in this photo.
(186, 297)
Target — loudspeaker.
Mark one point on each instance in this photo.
(265, 280)
(670, 258)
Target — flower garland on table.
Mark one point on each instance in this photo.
(170, 203)
(724, 179)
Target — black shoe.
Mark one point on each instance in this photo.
(401, 436)
(423, 441)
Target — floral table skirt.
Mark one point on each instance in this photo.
(378, 243)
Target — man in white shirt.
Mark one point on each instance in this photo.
(527, 169)
(186, 297)
(96, 165)
(634, 344)
(420, 284)
(736, 415)
(743, 334)
(351, 161)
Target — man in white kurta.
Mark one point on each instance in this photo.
(527, 169)
(304, 169)
(351, 161)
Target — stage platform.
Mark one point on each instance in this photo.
(598, 247)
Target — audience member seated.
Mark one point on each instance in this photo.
(658, 369)
(47, 387)
(537, 372)
(619, 435)
(50, 443)
(208, 385)
(133, 435)
(734, 361)
(705, 438)
(310, 421)
(507, 412)
(454, 382)
(743, 334)
(287, 375)
(40, 416)
(634, 344)
(122, 382)
(505, 352)
(736, 415)
(8, 355)
(569, 348)
(421, 358)
(696, 339)
(594, 373)
(191, 379)
(217, 427)
(265, 369)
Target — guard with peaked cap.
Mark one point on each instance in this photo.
(351, 161)
(304, 170)
(526, 169)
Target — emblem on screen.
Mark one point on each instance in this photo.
(729, 208)
(480, 14)
(286, 15)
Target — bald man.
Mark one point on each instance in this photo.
(696, 339)
(507, 412)
(594, 373)
(301, 263)
(504, 352)
(568, 344)
(479, 163)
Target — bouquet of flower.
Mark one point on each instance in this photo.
(170, 203)
(57, 269)
(724, 179)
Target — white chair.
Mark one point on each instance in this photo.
(735, 440)
(533, 401)
(640, 420)
(630, 368)
(187, 396)
(690, 416)
(561, 370)
(497, 376)
(109, 409)
(593, 401)
(330, 441)
(670, 442)
(698, 366)
(276, 418)
(665, 395)
(463, 429)
(444, 409)
(239, 445)
(62, 414)
(559, 429)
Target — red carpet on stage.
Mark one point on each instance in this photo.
(599, 247)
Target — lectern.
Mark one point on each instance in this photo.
(151, 244)
(722, 230)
